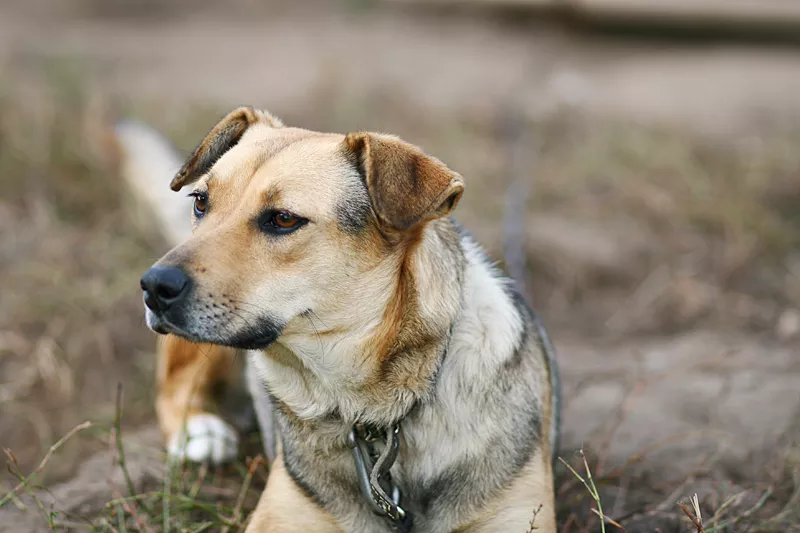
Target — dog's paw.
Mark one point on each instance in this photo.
(206, 437)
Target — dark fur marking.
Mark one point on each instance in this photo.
(258, 336)
(293, 470)
(527, 315)
(284, 419)
(444, 490)
(546, 346)
(353, 213)
(355, 210)
(434, 379)
(555, 382)
(412, 168)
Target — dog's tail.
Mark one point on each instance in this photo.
(148, 163)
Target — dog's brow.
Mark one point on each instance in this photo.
(271, 196)
(260, 161)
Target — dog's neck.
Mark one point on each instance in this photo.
(374, 369)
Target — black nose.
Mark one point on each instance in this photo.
(163, 286)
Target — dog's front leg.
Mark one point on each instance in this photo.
(283, 508)
(187, 376)
(529, 499)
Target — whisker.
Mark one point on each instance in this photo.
(241, 302)
(319, 338)
(204, 352)
(234, 313)
(318, 318)
(251, 313)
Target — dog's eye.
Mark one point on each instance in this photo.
(200, 203)
(285, 220)
(281, 222)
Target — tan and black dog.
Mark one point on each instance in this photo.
(409, 385)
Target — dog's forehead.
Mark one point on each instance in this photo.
(300, 165)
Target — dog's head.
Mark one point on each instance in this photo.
(290, 223)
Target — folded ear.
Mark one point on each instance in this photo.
(406, 186)
(219, 140)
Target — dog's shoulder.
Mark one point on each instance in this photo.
(514, 321)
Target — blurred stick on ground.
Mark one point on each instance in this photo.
(757, 17)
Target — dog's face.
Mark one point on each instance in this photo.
(292, 229)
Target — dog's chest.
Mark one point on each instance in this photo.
(324, 466)
(435, 470)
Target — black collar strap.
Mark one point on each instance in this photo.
(372, 469)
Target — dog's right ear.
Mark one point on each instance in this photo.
(219, 140)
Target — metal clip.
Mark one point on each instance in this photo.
(372, 477)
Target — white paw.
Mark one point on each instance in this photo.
(206, 438)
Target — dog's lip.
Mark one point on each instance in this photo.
(158, 323)
(245, 340)
(164, 327)
(161, 329)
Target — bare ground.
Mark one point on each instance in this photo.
(661, 234)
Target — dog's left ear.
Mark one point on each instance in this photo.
(406, 186)
(219, 140)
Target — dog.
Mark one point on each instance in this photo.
(400, 381)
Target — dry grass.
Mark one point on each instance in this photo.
(719, 218)
(660, 504)
(181, 497)
(194, 498)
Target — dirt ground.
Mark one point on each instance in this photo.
(662, 235)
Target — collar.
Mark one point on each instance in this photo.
(373, 467)
(373, 471)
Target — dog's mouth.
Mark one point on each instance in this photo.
(259, 338)
(162, 325)
(251, 335)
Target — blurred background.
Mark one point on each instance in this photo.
(637, 163)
